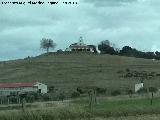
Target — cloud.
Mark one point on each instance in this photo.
(124, 22)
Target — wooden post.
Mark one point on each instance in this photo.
(19, 100)
(89, 93)
(152, 99)
(95, 97)
(23, 104)
(8, 100)
(16, 99)
(92, 99)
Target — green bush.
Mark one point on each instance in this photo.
(13, 99)
(127, 70)
(30, 98)
(75, 94)
(153, 89)
(129, 92)
(61, 96)
(81, 90)
(142, 90)
(101, 90)
(51, 89)
(116, 92)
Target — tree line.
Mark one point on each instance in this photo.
(106, 47)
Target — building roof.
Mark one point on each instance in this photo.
(14, 85)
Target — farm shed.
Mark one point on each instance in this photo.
(17, 88)
(138, 86)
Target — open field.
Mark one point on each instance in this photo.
(76, 109)
(68, 71)
(138, 117)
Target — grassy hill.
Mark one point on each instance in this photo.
(68, 71)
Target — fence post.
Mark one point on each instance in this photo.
(23, 104)
(92, 99)
(152, 99)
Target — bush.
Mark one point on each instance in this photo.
(101, 90)
(30, 98)
(127, 70)
(61, 96)
(45, 97)
(153, 89)
(142, 90)
(129, 92)
(13, 99)
(51, 89)
(116, 92)
(80, 90)
(75, 94)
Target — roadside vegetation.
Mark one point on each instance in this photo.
(112, 108)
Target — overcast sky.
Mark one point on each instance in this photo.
(124, 22)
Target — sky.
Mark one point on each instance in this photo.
(135, 23)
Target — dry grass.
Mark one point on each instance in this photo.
(138, 117)
(106, 109)
(68, 71)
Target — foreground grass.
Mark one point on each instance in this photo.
(138, 117)
(108, 108)
(71, 113)
(129, 109)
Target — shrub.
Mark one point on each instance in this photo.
(158, 74)
(61, 96)
(75, 94)
(101, 90)
(120, 71)
(60, 51)
(129, 92)
(80, 90)
(51, 89)
(153, 89)
(13, 99)
(127, 70)
(142, 90)
(30, 98)
(45, 97)
(115, 92)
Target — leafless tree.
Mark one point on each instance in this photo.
(46, 44)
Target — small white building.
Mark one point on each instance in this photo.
(138, 86)
(18, 88)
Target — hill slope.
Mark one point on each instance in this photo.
(68, 71)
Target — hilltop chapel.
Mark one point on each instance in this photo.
(80, 46)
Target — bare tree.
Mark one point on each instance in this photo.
(47, 44)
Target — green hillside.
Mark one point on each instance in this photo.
(68, 71)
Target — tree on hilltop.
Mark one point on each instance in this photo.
(46, 44)
(106, 47)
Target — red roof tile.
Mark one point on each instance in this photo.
(14, 85)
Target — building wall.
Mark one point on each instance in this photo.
(9, 91)
(41, 87)
(38, 87)
(138, 86)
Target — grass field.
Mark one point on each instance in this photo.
(105, 109)
(68, 71)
